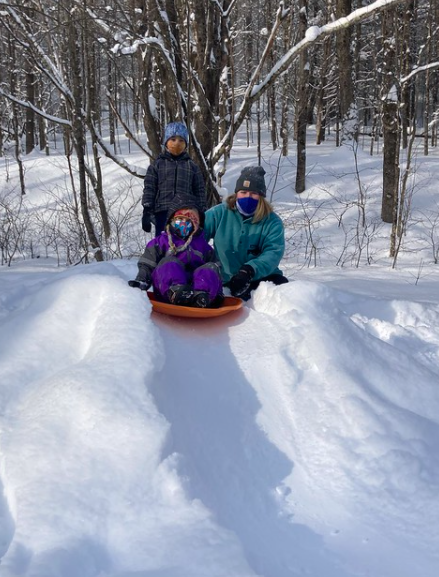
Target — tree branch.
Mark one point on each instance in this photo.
(30, 106)
(254, 92)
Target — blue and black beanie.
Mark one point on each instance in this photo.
(176, 129)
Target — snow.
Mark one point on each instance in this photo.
(297, 437)
(392, 95)
(312, 33)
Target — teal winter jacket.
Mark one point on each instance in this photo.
(239, 241)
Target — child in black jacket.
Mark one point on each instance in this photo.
(173, 172)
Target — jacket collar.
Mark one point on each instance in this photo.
(168, 156)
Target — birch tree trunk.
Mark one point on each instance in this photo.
(390, 122)
(407, 65)
(30, 114)
(79, 141)
(302, 103)
(16, 116)
(321, 107)
(348, 110)
(93, 120)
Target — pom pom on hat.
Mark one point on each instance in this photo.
(252, 179)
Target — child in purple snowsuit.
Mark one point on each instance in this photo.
(179, 263)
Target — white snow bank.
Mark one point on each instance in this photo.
(86, 485)
(357, 413)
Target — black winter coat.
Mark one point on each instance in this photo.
(170, 175)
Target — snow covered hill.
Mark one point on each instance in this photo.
(296, 437)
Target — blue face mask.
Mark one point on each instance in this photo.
(247, 205)
(182, 227)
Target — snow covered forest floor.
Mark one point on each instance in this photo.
(297, 437)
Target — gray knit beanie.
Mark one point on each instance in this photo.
(252, 179)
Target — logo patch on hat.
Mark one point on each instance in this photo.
(246, 183)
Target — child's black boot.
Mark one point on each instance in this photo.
(180, 294)
(201, 300)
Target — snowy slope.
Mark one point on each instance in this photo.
(297, 437)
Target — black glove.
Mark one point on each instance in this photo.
(143, 286)
(143, 279)
(240, 282)
(146, 220)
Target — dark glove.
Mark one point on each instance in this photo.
(143, 286)
(142, 280)
(240, 282)
(146, 220)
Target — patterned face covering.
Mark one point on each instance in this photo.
(181, 226)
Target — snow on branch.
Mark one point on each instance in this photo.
(127, 129)
(134, 170)
(50, 70)
(419, 69)
(315, 32)
(254, 91)
(30, 106)
(224, 13)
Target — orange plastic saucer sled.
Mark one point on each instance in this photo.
(230, 304)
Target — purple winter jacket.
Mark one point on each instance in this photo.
(198, 252)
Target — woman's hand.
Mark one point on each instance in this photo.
(240, 282)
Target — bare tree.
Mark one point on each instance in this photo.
(302, 103)
(390, 120)
(204, 62)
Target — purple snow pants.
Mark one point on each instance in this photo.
(171, 271)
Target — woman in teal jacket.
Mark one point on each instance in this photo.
(248, 236)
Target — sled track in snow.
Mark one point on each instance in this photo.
(227, 459)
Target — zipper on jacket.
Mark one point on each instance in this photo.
(175, 178)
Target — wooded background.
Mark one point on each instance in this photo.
(78, 72)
